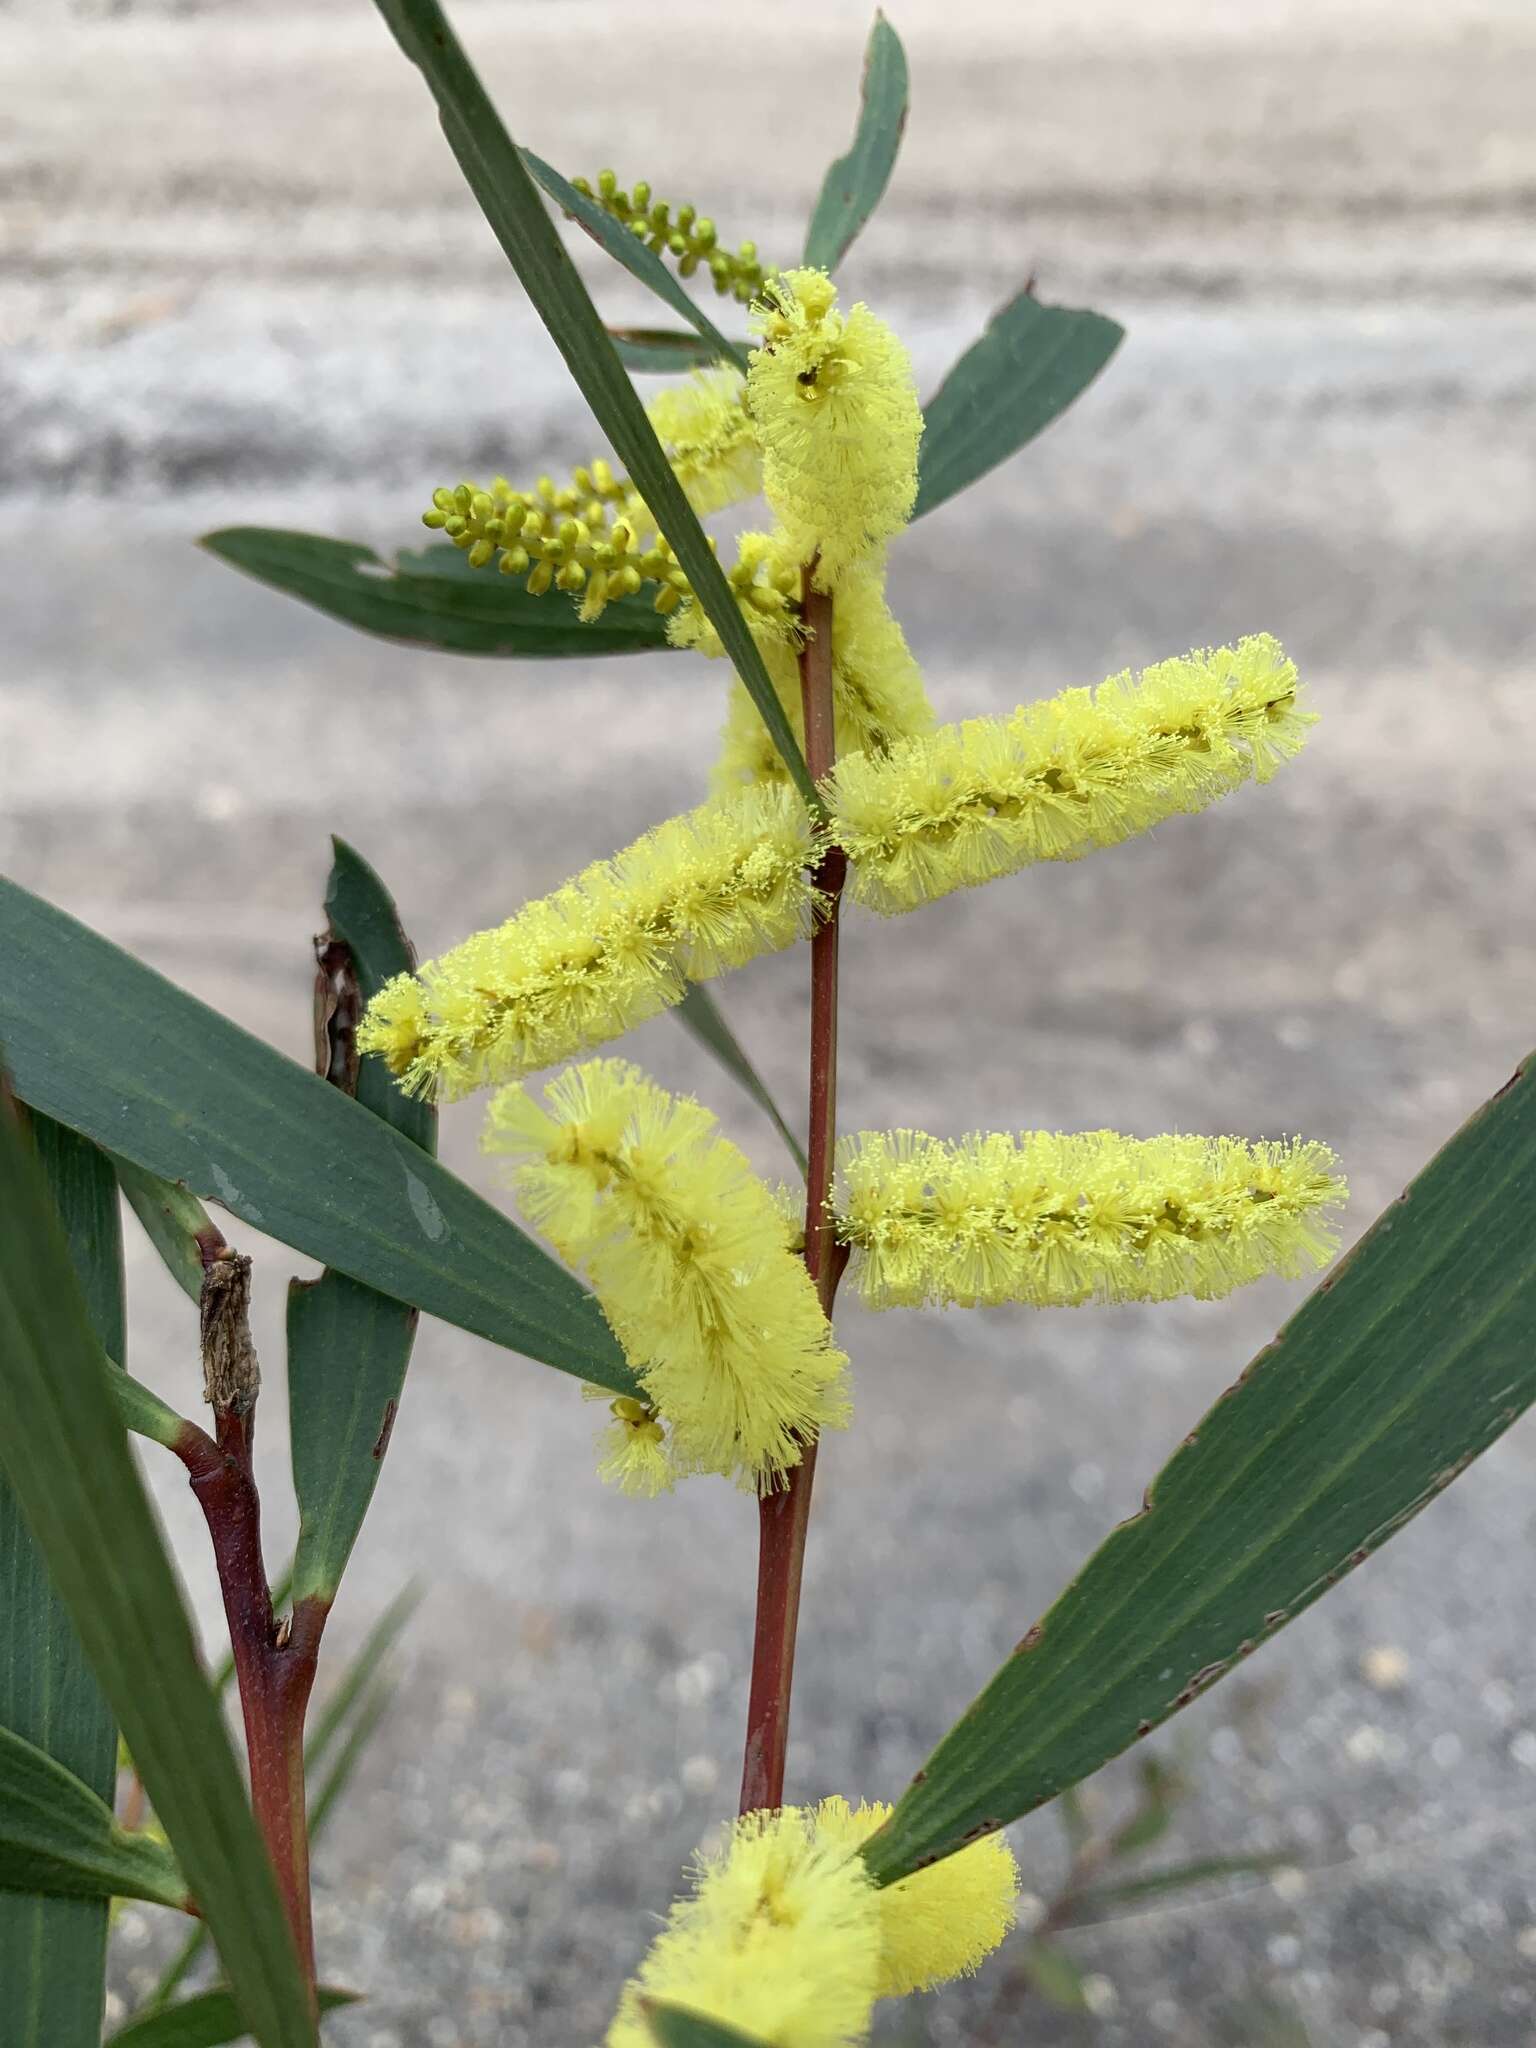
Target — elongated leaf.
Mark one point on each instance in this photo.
(112, 1049)
(361, 1671)
(855, 184)
(510, 202)
(53, 1950)
(208, 2021)
(348, 1345)
(674, 2027)
(700, 1014)
(1025, 371)
(1415, 1353)
(173, 1219)
(630, 252)
(433, 598)
(58, 1836)
(1096, 1902)
(664, 351)
(1054, 1976)
(67, 1460)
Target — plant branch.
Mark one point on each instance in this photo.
(784, 1515)
(274, 1665)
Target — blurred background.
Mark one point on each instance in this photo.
(240, 282)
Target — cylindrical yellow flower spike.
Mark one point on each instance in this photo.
(944, 1921)
(680, 232)
(708, 439)
(1087, 768)
(1055, 1220)
(700, 894)
(781, 1938)
(877, 687)
(686, 1250)
(832, 398)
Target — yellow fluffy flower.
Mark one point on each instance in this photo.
(943, 1921)
(698, 895)
(832, 398)
(685, 1249)
(708, 439)
(1086, 768)
(781, 1938)
(1056, 1220)
(877, 687)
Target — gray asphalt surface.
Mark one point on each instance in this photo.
(239, 283)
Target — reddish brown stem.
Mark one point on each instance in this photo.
(274, 1669)
(784, 1515)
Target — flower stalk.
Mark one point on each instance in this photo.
(784, 1514)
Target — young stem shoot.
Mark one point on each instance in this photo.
(274, 1666)
(784, 1515)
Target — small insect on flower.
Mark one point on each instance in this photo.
(686, 1250)
(781, 1937)
(1055, 1221)
(944, 1921)
(703, 893)
(838, 422)
(1087, 768)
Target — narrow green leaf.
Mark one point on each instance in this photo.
(664, 351)
(700, 1014)
(1145, 1827)
(53, 1950)
(432, 598)
(674, 2027)
(173, 1220)
(1027, 368)
(1414, 1355)
(855, 184)
(68, 1462)
(58, 1836)
(360, 1673)
(375, 1705)
(112, 1049)
(630, 252)
(1093, 1904)
(510, 202)
(209, 2020)
(1054, 1976)
(348, 1345)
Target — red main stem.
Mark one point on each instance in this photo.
(274, 1673)
(784, 1515)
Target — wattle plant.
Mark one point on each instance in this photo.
(690, 1297)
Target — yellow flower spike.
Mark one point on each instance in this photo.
(708, 439)
(838, 422)
(688, 237)
(780, 1937)
(944, 1921)
(877, 688)
(685, 1249)
(1087, 768)
(633, 1452)
(695, 897)
(1057, 1220)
